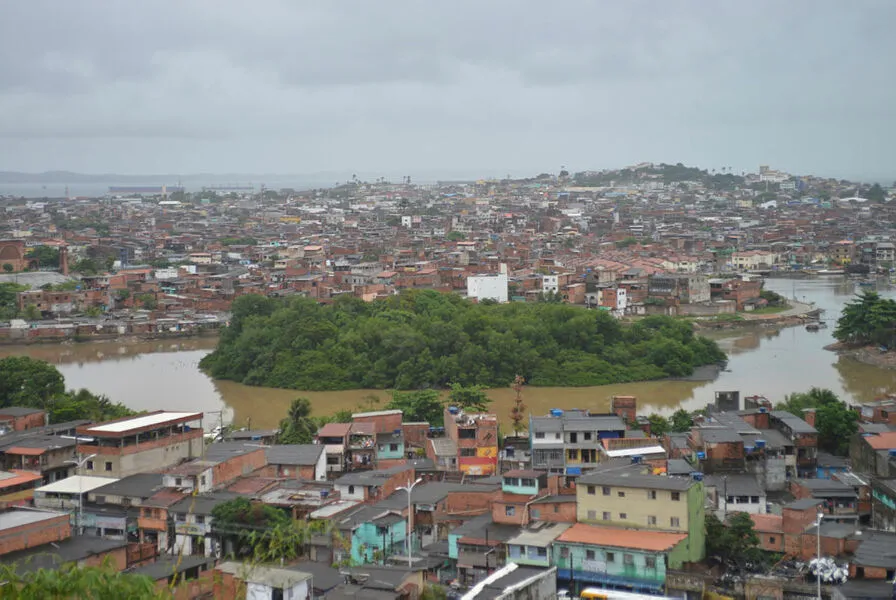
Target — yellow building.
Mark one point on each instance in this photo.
(633, 499)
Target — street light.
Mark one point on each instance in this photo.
(79, 462)
(818, 554)
(410, 488)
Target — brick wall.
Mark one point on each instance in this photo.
(553, 512)
(238, 466)
(38, 419)
(381, 423)
(415, 434)
(35, 534)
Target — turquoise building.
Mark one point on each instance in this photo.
(524, 483)
(377, 538)
(535, 546)
(390, 446)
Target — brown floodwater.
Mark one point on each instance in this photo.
(151, 375)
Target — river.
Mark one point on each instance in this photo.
(151, 375)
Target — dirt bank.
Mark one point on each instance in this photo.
(869, 355)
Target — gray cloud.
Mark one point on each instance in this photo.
(478, 86)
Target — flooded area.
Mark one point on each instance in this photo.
(150, 375)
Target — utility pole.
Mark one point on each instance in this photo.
(79, 463)
(409, 488)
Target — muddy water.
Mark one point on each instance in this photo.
(153, 375)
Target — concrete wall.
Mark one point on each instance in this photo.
(145, 457)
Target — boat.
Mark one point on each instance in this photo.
(830, 272)
(867, 283)
(813, 327)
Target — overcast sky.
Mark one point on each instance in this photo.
(420, 87)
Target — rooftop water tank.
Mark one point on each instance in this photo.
(763, 409)
(453, 410)
(324, 493)
(556, 412)
(636, 459)
(697, 476)
(397, 432)
(701, 455)
(892, 452)
(760, 444)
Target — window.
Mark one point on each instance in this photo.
(651, 520)
(650, 562)
(606, 490)
(611, 557)
(607, 516)
(557, 436)
(108, 465)
(676, 496)
(592, 515)
(564, 552)
(573, 438)
(202, 480)
(200, 519)
(90, 465)
(351, 489)
(591, 490)
(510, 511)
(539, 435)
(674, 522)
(572, 454)
(621, 494)
(393, 447)
(587, 436)
(628, 559)
(178, 482)
(541, 552)
(623, 516)
(556, 508)
(468, 451)
(754, 499)
(535, 513)
(589, 554)
(181, 517)
(651, 494)
(771, 539)
(99, 499)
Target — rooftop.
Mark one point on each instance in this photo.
(541, 534)
(654, 541)
(76, 484)
(299, 454)
(17, 517)
(141, 422)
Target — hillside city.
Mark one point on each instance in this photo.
(750, 497)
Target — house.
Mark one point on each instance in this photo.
(804, 437)
(141, 443)
(624, 559)
(299, 461)
(68, 494)
(736, 493)
(192, 517)
(566, 442)
(50, 456)
(533, 545)
(476, 438)
(223, 463)
(516, 582)
(18, 418)
(17, 488)
(770, 531)
(679, 288)
(839, 500)
(630, 498)
(479, 547)
(334, 438)
(883, 504)
(370, 486)
(22, 529)
(235, 581)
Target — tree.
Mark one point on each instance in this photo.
(28, 382)
(8, 267)
(470, 398)
(869, 319)
(876, 193)
(46, 256)
(659, 425)
(9, 299)
(518, 410)
(734, 543)
(834, 421)
(148, 301)
(31, 313)
(455, 236)
(418, 406)
(86, 266)
(72, 581)
(298, 427)
(681, 421)
(236, 522)
(290, 540)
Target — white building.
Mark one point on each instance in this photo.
(550, 283)
(488, 287)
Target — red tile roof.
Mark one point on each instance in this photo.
(768, 523)
(883, 441)
(637, 539)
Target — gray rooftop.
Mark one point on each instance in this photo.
(166, 565)
(70, 550)
(141, 485)
(304, 455)
(715, 434)
(877, 549)
(634, 479)
(541, 534)
(735, 485)
(796, 424)
(221, 451)
(444, 446)
(17, 518)
(203, 503)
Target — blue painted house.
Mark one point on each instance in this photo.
(375, 534)
(390, 446)
(828, 465)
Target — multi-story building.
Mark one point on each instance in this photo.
(626, 559)
(567, 442)
(476, 438)
(679, 288)
(626, 497)
(142, 443)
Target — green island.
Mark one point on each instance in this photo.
(423, 339)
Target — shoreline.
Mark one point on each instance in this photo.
(869, 355)
(113, 337)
